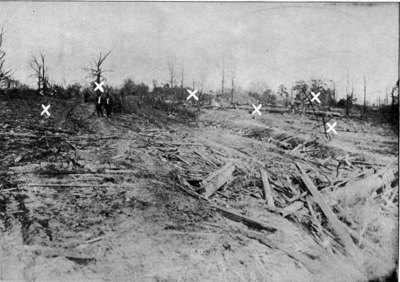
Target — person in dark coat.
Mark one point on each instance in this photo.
(108, 105)
(99, 105)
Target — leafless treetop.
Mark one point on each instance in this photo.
(5, 75)
(95, 71)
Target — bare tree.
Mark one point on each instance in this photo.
(41, 73)
(203, 78)
(5, 75)
(347, 94)
(223, 75)
(171, 69)
(387, 95)
(182, 74)
(95, 71)
(395, 96)
(233, 76)
(365, 95)
(282, 91)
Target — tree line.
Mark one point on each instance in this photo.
(230, 92)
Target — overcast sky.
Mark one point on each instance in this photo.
(272, 42)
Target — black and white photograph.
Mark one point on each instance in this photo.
(199, 141)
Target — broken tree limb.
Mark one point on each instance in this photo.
(336, 224)
(71, 145)
(94, 240)
(205, 158)
(217, 179)
(363, 188)
(69, 185)
(234, 215)
(322, 239)
(267, 189)
(26, 135)
(182, 160)
(94, 137)
(121, 171)
(228, 213)
(298, 197)
(178, 144)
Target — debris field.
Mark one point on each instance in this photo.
(227, 196)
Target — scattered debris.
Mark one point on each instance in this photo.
(68, 187)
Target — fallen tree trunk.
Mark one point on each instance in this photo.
(363, 188)
(322, 113)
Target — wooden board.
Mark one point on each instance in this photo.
(267, 189)
(217, 179)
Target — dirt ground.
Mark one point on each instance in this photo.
(87, 198)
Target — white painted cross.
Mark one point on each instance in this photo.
(45, 110)
(331, 128)
(99, 86)
(192, 94)
(256, 110)
(315, 97)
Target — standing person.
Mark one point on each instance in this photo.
(99, 105)
(108, 105)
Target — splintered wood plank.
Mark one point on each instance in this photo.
(236, 216)
(336, 224)
(267, 189)
(217, 179)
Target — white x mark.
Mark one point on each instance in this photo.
(331, 127)
(256, 110)
(192, 94)
(315, 97)
(99, 86)
(45, 110)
